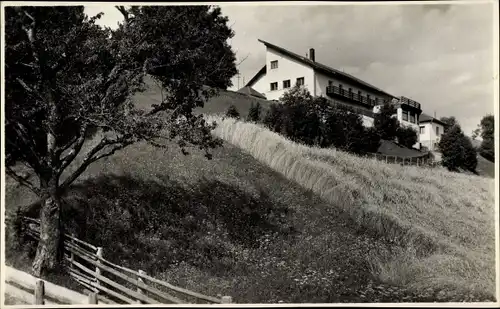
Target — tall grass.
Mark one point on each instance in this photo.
(443, 222)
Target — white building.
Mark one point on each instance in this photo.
(284, 69)
(431, 130)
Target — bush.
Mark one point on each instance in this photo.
(344, 130)
(254, 112)
(457, 150)
(407, 136)
(232, 112)
(385, 123)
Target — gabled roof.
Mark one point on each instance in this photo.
(426, 118)
(318, 67)
(250, 91)
(261, 72)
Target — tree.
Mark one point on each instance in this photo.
(232, 112)
(486, 129)
(385, 123)
(254, 112)
(67, 78)
(457, 150)
(274, 117)
(407, 136)
(297, 95)
(449, 121)
(344, 130)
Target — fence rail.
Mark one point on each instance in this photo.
(423, 161)
(113, 283)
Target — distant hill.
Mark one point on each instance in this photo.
(485, 167)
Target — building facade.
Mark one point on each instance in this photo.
(285, 69)
(430, 131)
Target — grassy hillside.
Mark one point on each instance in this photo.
(215, 105)
(443, 222)
(230, 225)
(485, 167)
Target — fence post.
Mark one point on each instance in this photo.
(97, 269)
(93, 298)
(39, 292)
(385, 159)
(139, 279)
(226, 299)
(71, 255)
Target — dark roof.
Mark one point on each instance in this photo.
(250, 91)
(319, 67)
(426, 118)
(261, 72)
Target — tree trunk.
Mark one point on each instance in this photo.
(48, 252)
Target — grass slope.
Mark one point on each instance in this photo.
(442, 221)
(229, 226)
(215, 105)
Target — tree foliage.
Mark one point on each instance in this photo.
(254, 114)
(449, 121)
(407, 136)
(67, 78)
(385, 122)
(232, 112)
(457, 150)
(486, 129)
(316, 121)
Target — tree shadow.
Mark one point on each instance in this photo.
(156, 224)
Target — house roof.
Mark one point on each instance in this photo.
(318, 67)
(250, 91)
(261, 72)
(426, 118)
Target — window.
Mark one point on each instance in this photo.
(437, 131)
(300, 81)
(274, 64)
(350, 93)
(286, 84)
(405, 115)
(422, 130)
(274, 86)
(330, 83)
(412, 117)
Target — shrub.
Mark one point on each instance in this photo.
(232, 112)
(407, 136)
(273, 118)
(344, 129)
(254, 112)
(457, 150)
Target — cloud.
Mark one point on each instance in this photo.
(440, 55)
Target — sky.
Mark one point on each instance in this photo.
(440, 55)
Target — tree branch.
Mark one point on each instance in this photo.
(91, 157)
(23, 181)
(75, 150)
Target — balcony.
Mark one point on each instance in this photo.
(409, 102)
(335, 91)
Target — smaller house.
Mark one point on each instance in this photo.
(431, 130)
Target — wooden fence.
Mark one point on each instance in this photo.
(23, 288)
(115, 284)
(424, 161)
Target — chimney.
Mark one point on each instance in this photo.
(311, 54)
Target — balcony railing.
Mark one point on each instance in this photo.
(334, 90)
(405, 100)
